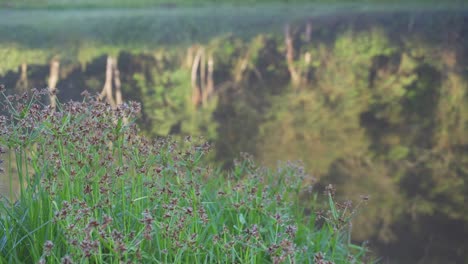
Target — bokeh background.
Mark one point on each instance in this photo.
(372, 96)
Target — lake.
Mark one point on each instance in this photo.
(373, 99)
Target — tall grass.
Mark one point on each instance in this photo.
(94, 191)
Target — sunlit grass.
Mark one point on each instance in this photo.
(96, 192)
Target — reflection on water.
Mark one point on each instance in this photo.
(373, 101)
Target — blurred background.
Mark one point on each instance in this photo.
(372, 96)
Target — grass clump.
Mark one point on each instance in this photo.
(93, 191)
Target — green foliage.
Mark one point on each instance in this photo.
(165, 92)
(165, 98)
(379, 119)
(304, 128)
(313, 122)
(13, 56)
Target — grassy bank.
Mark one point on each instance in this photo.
(95, 191)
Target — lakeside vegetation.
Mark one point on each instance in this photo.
(94, 191)
(378, 105)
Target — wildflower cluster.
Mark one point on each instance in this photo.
(93, 190)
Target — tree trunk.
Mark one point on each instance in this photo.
(305, 73)
(210, 82)
(189, 59)
(107, 89)
(117, 83)
(241, 68)
(203, 78)
(295, 76)
(196, 93)
(22, 84)
(53, 80)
